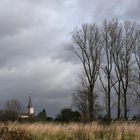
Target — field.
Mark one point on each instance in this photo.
(72, 131)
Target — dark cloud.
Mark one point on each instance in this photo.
(33, 59)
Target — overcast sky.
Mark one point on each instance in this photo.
(33, 61)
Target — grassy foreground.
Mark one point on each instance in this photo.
(73, 131)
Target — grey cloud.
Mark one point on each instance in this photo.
(133, 10)
(33, 60)
(45, 80)
(14, 17)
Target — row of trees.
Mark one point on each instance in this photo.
(110, 57)
(13, 109)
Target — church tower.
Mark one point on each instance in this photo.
(30, 107)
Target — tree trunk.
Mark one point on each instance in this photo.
(119, 100)
(125, 106)
(119, 107)
(91, 103)
(109, 99)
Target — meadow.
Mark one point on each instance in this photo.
(71, 131)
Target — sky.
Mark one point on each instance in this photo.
(33, 58)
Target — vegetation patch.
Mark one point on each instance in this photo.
(13, 134)
(71, 131)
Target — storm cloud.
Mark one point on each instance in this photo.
(33, 59)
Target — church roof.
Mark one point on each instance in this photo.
(30, 102)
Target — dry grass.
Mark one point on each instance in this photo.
(13, 133)
(75, 131)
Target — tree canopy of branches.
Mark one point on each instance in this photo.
(86, 44)
(80, 100)
(109, 53)
(13, 105)
(12, 109)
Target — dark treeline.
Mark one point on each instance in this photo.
(110, 58)
(12, 112)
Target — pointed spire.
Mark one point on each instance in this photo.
(30, 102)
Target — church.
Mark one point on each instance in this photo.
(30, 110)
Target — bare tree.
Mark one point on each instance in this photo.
(80, 98)
(117, 45)
(136, 74)
(107, 64)
(81, 102)
(86, 44)
(129, 37)
(136, 69)
(119, 41)
(12, 109)
(13, 105)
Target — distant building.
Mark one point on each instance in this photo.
(30, 107)
(30, 112)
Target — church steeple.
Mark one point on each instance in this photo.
(30, 107)
(30, 102)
